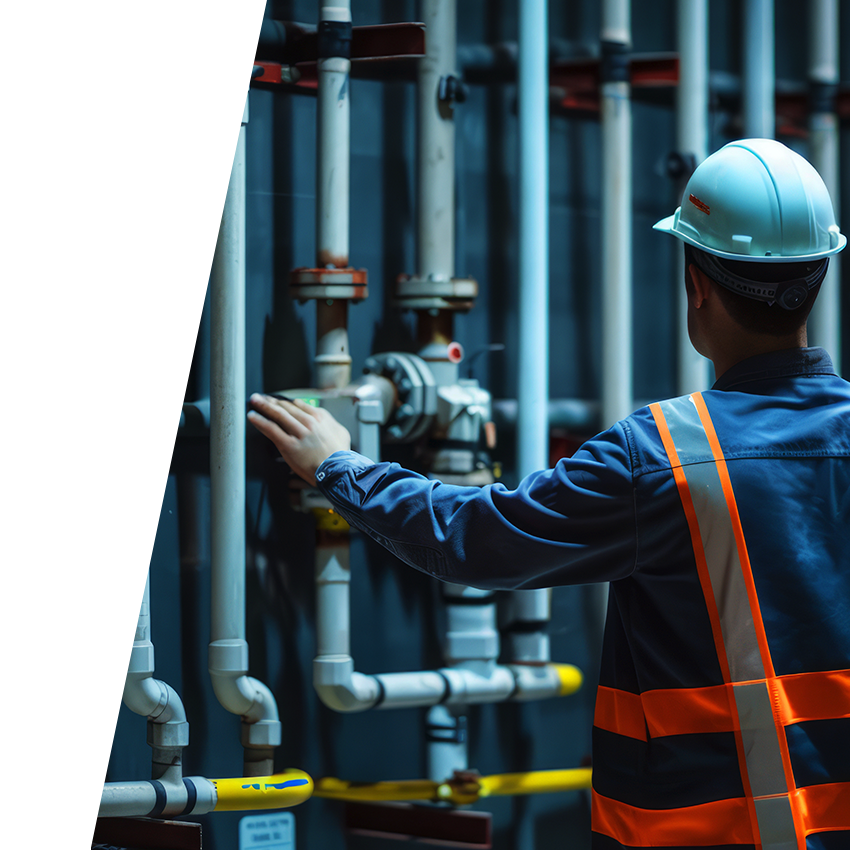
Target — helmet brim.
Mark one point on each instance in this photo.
(668, 225)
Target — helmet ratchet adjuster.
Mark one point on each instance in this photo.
(788, 294)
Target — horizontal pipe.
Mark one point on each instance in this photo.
(341, 688)
(535, 782)
(463, 790)
(278, 791)
(198, 795)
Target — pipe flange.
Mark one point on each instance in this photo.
(414, 292)
(417, 394)
(316, 284)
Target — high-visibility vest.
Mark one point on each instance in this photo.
(754, 703)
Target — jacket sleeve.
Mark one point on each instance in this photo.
(573, 524)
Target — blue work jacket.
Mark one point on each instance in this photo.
(722, 521)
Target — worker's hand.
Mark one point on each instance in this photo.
(304, 435)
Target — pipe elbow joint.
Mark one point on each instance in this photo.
(260, 724)
(340, 687)
(169, 729)
(145, 695)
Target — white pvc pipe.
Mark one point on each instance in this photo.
(616, 227)
(691, 138)
(333, 154)
(228, 652)
(154, 699)
(435, 220)
(333, 188)
(616, 238)
(825, 319)
(342, 688)
(758, 90)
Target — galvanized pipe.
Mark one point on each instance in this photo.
(691, 139)
(825, 318)
(758, 101)
(333, 186)
(616, 214)
(333, 155)
(435, 220)
(228, 651)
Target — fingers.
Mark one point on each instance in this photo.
(289, 415)
(270, 429)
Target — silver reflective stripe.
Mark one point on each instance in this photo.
(718, 539)
(759, 732)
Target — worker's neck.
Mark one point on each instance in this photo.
(737, 347)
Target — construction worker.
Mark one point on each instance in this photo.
(721, 519)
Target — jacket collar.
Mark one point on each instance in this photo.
(777, 364)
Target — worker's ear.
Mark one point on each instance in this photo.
(701, 286)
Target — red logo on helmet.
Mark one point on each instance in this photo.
(700, 205)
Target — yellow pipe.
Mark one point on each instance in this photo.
(278, 791)
(535, 782)
(571, 678)
(404, 789)
(462, 790)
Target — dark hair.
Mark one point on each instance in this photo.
(751, 314)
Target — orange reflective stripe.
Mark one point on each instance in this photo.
(689, 711)
(620, 712)
(814, 696)
(719, 822)
(696, 539)
(694, 711)
(680, 711)
(825, 807)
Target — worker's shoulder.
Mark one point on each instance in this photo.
(812, 420)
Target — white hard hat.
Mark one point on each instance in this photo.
(756, 200)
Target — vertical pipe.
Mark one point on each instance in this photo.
(435, 221)
(228, 650)
(333, 163)
(616, 213)
(533, 389)
(616, 238)
(758, 100)
(691, 139)
(333, 114)
(825, 318)
(227, 409)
